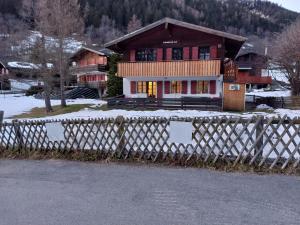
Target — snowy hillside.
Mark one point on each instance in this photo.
(70, 45)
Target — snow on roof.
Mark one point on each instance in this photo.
(26, 65)
(22, 65)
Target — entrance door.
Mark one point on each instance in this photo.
(152, 89)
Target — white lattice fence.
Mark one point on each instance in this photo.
(260, 141)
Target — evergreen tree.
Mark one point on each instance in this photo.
(114, 83)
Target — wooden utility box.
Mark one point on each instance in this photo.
(234, 96)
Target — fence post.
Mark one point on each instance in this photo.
(181, 103)
(260, 142)
(121, 128)
(17, 129)
(1, 117)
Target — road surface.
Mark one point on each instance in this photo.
(72, 193)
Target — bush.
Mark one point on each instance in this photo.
(114, 83)
(33, 90)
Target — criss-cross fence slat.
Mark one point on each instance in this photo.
(270, 141)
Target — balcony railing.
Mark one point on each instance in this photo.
(88, 69)
(247, 79)
(93, 84)
(170, 68)
(230, 71)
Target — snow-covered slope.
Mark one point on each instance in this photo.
(71, 45)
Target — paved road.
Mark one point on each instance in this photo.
(71, 193)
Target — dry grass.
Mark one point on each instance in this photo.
(94, 156)
(57, 110)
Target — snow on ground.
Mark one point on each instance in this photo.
(91, 114)
(262, 93)
(278, 75)
(264, 107)
(23, 84)
(17, 104)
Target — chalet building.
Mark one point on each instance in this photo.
(90, 66)
(252, 68)
(174, 59)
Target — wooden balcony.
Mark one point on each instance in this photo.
(197, 68)
(74, 70)
(93, 84)
(248, 79)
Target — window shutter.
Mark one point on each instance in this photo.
(133, 87)
(193, 87)
(186, 53)
(212, 87)
(159, 54)
(195, 53)
(169, 54)
(132, 55)
(213, 52)
(184, 87)
(167, 87)
(159, 89)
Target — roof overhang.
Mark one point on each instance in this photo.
(83, 49)
(177, 23)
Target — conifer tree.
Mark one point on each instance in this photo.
(114, 83)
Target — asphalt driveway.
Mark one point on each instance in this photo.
(72, 193)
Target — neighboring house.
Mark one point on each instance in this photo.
(90, 66)
(252, 65)
(174, 59)
(19, 75)
(4, 73)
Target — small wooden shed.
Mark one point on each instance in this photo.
(234, 96)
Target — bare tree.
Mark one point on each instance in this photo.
(286, 55)
(33, 13)
(106, 31)
(61, 19)
(40, 56)
(134, 24)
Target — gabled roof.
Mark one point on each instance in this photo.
(100, 51)
(177, 23)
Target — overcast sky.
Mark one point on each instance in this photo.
(289, 4)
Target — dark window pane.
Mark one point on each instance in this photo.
(177, 53)
(146, 55)
(204, 53)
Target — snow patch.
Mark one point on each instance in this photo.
(23, 85)
(13, 105)
(263, 93)
(264, 107)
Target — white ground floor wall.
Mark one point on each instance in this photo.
(218, 93)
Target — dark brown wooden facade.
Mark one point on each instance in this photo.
(174, 59)
(250, 67)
